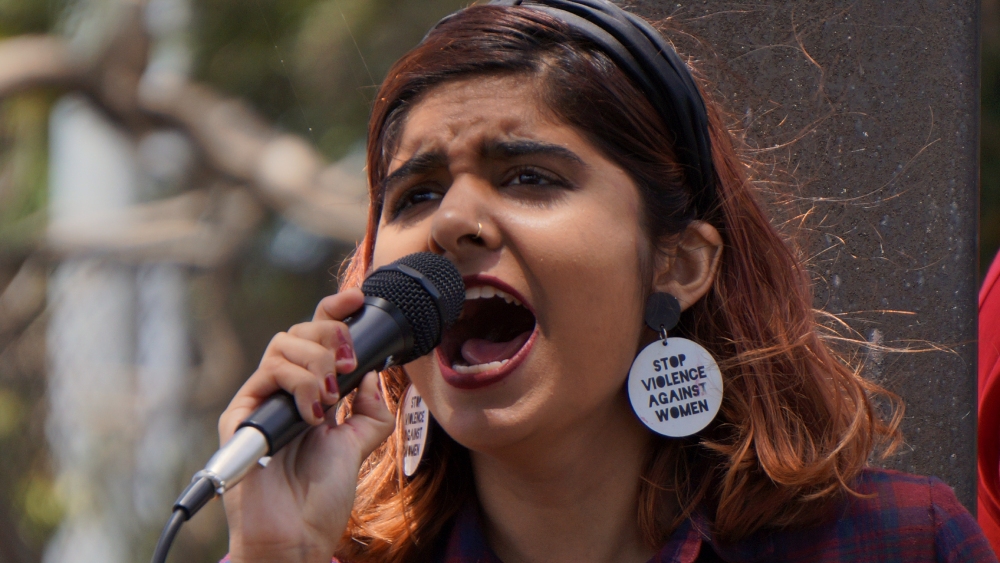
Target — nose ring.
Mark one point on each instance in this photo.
(479, 232)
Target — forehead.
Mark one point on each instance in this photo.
(478, 110)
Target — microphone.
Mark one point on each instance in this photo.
(408, 306)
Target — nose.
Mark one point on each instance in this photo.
(461, 227)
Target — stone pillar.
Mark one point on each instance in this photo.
(873, 109)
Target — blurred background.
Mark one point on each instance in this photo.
(180, 180)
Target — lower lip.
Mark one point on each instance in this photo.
(469, 381)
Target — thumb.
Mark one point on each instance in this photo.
(370, 420)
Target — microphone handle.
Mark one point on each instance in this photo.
(379, 332)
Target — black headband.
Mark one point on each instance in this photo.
(654, 66)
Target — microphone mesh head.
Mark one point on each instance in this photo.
(418, 306)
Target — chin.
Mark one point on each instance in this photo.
(488, 431)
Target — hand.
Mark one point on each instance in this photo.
(297, 508)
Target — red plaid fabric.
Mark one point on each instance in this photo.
(905, 518)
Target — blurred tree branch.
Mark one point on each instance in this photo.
(36, 60)
(284, 172)
(246, 167)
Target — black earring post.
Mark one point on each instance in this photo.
(663, 310)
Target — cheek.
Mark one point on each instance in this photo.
(392, 243)
(593, 288)
(420, 373)
(592, 262)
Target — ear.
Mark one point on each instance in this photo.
(688, 271)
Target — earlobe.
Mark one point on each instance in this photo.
(688, 272)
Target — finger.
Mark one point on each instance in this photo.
(321, 361)
(311, 400)
(340, 306)
(310, 394)
(332, 335)
(370, 417)
(311, 397)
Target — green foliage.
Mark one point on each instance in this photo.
(24, 160)
(27, 16)
(312, 66)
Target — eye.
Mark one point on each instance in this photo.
(413, 198)
(531, 176)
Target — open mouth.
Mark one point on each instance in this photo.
(494, 328)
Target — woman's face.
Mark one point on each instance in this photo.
(559, 231)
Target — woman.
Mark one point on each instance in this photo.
(560, 154)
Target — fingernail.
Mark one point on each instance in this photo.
(331, 384)
(345, 357)
(318, 410)
(380, 384)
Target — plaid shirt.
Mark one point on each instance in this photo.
(909, 518)
(906, 518)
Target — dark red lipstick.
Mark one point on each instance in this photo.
(491, 339)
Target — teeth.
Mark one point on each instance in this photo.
(487, 292)
(478, 368)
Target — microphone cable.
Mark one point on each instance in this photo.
(200, 491)
(167, 536)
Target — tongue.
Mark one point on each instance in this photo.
(478, 351)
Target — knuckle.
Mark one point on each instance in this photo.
(309, 385)
(306, 391)
(271, 364)
(276, 341)
(325, 332)
(323, 363)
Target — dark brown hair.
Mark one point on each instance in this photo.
(797, 423)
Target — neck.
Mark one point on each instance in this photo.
(570, 495)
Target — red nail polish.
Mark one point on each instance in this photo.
(317, 410)
(345, 352)
(331, 384)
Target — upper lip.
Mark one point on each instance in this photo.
(479, 280)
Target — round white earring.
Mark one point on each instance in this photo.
(415, 419)
(674, 385)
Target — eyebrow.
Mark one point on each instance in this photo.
(419, 164)
(498, 150)
(423, 163)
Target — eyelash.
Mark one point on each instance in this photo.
(406, 200)
(547, 179)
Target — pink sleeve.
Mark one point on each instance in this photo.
(989, 405)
